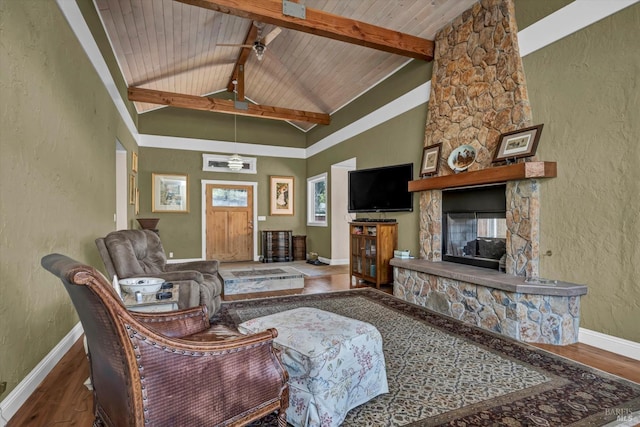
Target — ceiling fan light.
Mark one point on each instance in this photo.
(235, 162)
(259, 49)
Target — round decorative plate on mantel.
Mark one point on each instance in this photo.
(461, 158)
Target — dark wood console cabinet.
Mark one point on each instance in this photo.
(371, 248)
(277, 246)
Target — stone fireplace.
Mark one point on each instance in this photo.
(478, 92)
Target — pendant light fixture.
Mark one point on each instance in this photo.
(234, 162)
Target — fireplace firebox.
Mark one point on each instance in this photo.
(474, 225)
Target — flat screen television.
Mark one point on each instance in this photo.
(383, 189)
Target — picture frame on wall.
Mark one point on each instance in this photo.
(282, 196)
(518, 143)
(430, 160)
(132, 189)
(137, 205)
(170, 193)
(134, 162)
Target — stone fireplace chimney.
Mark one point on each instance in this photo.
(478, 92)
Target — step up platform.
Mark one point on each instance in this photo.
(250, 280)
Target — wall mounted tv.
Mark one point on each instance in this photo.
(383, 189)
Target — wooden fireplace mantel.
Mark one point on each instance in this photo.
(515, 172)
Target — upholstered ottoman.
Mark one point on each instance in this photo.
(334, 363)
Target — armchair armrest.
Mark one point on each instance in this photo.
(205, 266)
(175, 276)
(176, 324)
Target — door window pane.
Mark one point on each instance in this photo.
(230, 197)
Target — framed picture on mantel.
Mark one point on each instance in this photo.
(518, 143)
(430, 160)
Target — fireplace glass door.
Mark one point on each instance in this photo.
(477, 237)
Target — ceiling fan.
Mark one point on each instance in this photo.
(259, 46)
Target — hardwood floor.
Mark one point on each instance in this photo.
(63, 400)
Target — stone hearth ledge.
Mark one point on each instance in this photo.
(489, 278)
(498, 302)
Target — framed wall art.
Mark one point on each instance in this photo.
(518, 143)
(132, 189)
(137, 204)
(430, 160)
(134, 162)
(170, 193)
(281, 195)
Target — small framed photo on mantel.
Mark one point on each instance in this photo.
(430, 160)
(518, 143)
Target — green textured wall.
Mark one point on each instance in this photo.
(57, 165)
(205, 125)
(396, 141)
(584, 88)
(531, 11)
(182, 232)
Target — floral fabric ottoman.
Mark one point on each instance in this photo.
(334, 363)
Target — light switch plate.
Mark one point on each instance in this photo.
(262, 218)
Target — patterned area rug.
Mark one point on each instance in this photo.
(443, 372)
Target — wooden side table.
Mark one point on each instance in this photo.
(299, 248)
(149, 302)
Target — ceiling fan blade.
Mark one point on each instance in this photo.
(234, 45)
(272, 35)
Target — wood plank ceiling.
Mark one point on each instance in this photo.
(165, 45)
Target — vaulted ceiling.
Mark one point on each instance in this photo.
(177, 52)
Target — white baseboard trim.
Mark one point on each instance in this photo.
(610, 343)
(332, 261)
(10, 405)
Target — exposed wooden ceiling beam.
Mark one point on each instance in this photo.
(224, 106)
(326, 25)
(252, 35)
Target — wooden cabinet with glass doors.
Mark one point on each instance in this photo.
(371, 248)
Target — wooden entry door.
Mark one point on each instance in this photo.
(229, 222)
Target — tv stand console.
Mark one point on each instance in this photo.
(375, 220)
(371, 248)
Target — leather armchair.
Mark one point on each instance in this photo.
(169, 369)
(139, 253)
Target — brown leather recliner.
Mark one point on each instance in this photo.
(139, 253)
(170, 369)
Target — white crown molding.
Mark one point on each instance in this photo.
(566, 21)
(10, 404)
(80, 28)
(207, 145)
(398, 106)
